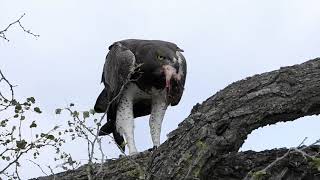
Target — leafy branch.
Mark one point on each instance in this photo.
(80, 128)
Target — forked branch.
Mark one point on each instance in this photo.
(18, 21)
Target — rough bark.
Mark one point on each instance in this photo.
(232, 166)
(217, 128)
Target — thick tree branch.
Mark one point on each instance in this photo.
(232, 166)
(221, 124)
(217, 128)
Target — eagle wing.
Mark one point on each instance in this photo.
(178, 86)
(117, 70)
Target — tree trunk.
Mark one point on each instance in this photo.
(206, 143)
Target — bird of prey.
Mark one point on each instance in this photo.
(141, 77)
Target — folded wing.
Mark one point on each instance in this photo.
(117, 70)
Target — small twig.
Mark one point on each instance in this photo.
(38, 166)
(128, 80)
(89, 167)
(7, 101)
(15, 160)
(29, 147)
(2, 32)
(295, 149)
(276, 161)
(316, 142)
(102, 156)
(302, 143)
(52, 173)
(96, 136)
(16, 171)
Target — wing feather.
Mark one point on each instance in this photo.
(178, 86)
(117, 69)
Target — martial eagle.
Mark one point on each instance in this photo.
(141, 77)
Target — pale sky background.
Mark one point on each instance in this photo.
(224, 41)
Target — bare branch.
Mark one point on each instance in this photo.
(6, 102)
(38, 167)
(18, 21)
(302, 143)
(102, 156)
(252, 175)
(52, 173)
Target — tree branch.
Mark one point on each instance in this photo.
(5, 102)
(18, 21)
(215, 130)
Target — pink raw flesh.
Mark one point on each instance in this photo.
(169, 71)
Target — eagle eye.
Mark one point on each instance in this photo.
(159, 57)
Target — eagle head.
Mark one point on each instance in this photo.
(166, 68)
(161, 68)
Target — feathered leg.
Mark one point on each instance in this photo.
(125, 122)
(159, 107)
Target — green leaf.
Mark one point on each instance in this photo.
(58, 111)
(3, 123)
(31, 99)
(92, 111)
(70, 161)
(18, 107)
(49, 136)
(14, 102)
(21, 144)
(86, 114)
(37, 109)
(75, 114)
(33, 124)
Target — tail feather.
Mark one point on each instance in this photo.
(110, 127)
(107, 128)
(119, 140)
(102, 102)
